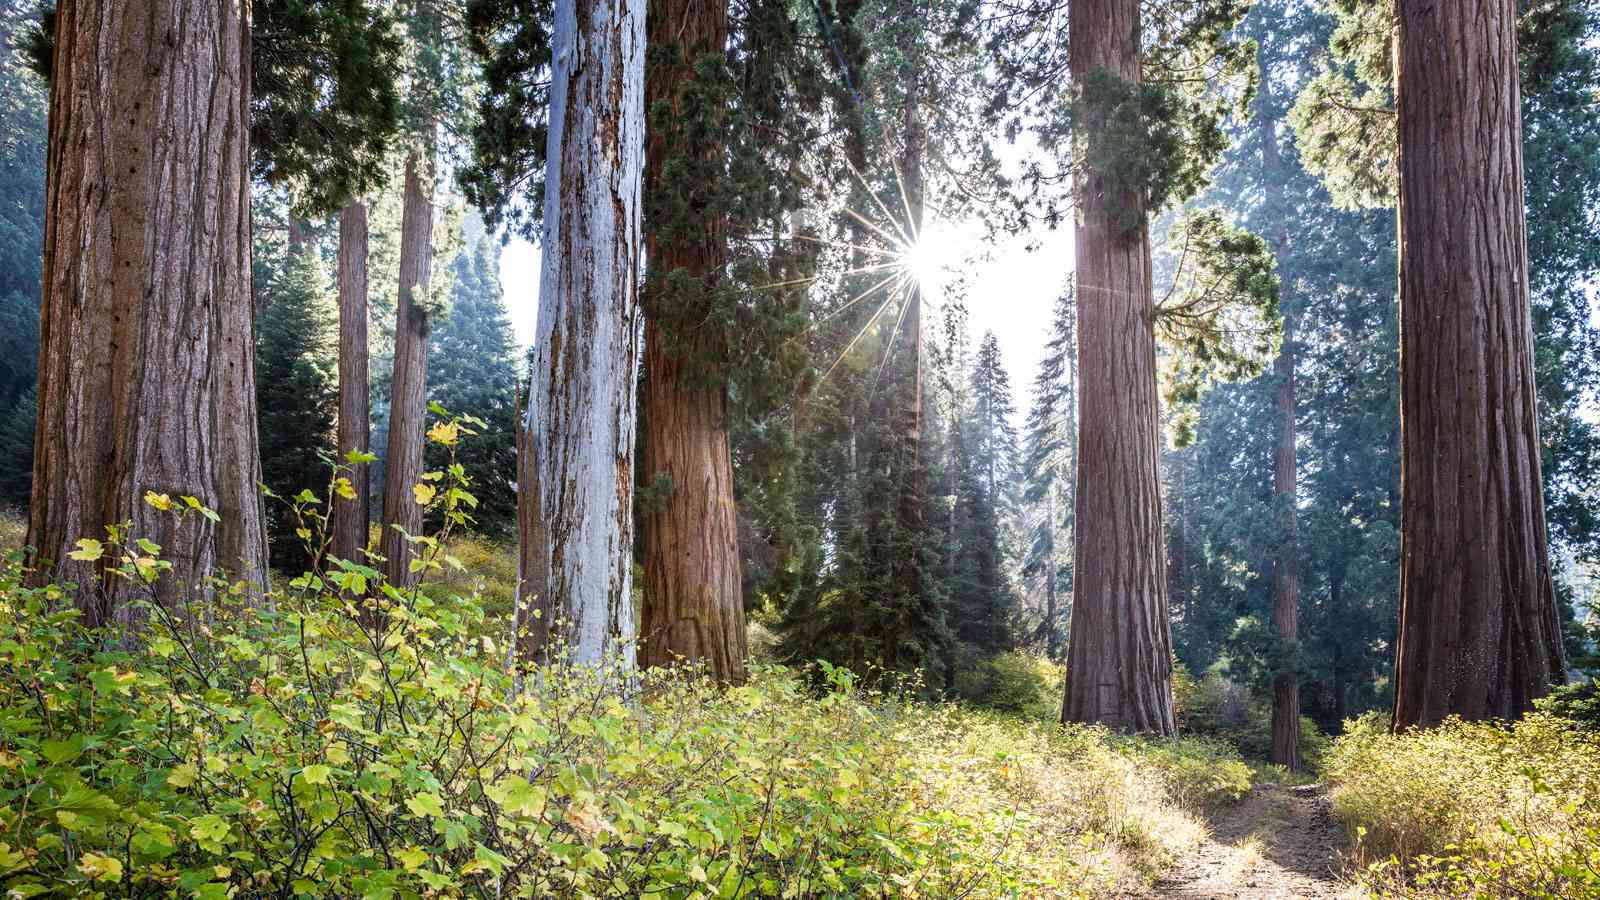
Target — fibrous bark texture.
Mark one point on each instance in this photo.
(1285, 481)
(408, 393)
(146, 378)
(1479, 634)
(350, 516)
(1119, 655)
(575, 484)
(693, 599)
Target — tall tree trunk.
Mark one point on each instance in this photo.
(299, 236)
(1119, 658)
(408, 394)
(575, 497)
(145, 362)
(1285, 471)
(355, 416)
(1479, 633)
(1052, 632)
(693, 601)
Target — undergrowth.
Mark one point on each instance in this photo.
(1472, 809)
(340, 737)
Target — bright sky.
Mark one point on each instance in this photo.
(1009, 293)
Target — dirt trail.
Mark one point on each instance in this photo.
(1278, 842)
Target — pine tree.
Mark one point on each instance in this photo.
(1475, 583)
(22, 202)
(297, 400)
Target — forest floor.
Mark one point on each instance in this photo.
(1279, 841)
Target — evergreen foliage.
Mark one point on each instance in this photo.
(472, 371)
(296, 393)
(23, 103)
(1048, 476)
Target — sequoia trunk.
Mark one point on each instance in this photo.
(1285, 475)
(575, 483)
(146, 334)
(1479, 634)
(408, 393)
(350, 515)
(693, 598)
(1119, 655)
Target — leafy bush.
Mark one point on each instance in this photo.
(1472, 809)
(1015, 682)
(1218, 707)
(339, 737)
(1201, 772)
(1578, 703)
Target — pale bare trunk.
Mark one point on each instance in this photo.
(146, 344)
(350, 516)
(576, 480)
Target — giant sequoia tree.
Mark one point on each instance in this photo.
(694, 603)
(146, 382)
(1479, 632)
(575, 476)
(1120, 654)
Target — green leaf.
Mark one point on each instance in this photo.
(88, 550)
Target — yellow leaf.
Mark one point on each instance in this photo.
(446, 433)
(159, 501)
(88, 550)
(100, 868)
(424, 493)
(146, 566)
(343, 488)
(412, 858)
(183, 776)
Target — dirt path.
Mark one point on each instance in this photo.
(1278, 842)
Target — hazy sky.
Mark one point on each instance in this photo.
(1010, 292)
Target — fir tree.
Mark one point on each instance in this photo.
(473, 369)
(1047, 472)
(296, 396)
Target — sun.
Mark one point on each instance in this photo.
(930, 258)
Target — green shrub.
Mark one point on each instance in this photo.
(1578, 703)
(289, 746)
(1015, 682)
(1201, 772)
(1472, 809)
(1217, 707)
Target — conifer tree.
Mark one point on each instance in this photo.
(1140, 135)
(575, 467)
(1345, 119)
(473, 368)
(1049, 461)
(296, 396)
(22, 201)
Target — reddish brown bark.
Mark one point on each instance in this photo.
(1119, 655)
(1479, 634)
(350, 516)
(408, 394)
(145, 362)
(1285, 479)
(693, 602)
